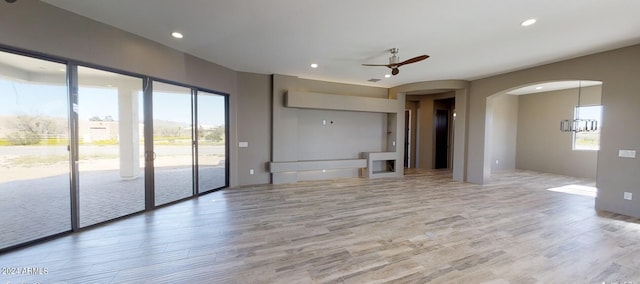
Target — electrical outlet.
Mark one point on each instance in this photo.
(497, 162)
(627, 154)
(628, 196)
(251, 171)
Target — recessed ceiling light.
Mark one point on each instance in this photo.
(538, 88)
(177, 35)
(313, 65)
(528, 22)
(387, 75)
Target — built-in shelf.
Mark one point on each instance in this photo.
(338, 102)
(380, 164)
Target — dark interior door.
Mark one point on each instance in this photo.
(442, 138)
(407, 117)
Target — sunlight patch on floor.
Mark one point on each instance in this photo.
(576, 189)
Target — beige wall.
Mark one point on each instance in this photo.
(502, 114)
(254, 127)
(541, 146)
(424, 133)
(618, 70)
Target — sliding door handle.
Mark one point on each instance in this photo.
(153, 156)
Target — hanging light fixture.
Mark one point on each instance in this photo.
(578, 124)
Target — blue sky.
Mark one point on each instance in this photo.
(51, 100)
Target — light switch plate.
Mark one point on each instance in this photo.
(243, 144)
(627, 154)
(628, 196)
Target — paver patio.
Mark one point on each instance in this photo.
(39, 207)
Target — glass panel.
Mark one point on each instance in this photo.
(588, 140)
(111, 145)
(172, 143)
(34, 161)
(211, 141)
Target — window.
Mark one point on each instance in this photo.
(588, 140)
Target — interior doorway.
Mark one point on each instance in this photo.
(407, 138)
(442, 138)
(443, 132)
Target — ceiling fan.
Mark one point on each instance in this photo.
(394, 63)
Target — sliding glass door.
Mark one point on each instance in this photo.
(172, 142)
(211, 141)
(73, 151)
(34, 161)
(111, 142)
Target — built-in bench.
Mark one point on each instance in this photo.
(372, 165)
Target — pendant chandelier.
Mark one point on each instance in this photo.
(578, 125)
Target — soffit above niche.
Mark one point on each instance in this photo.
(338, 102)
(552, 86)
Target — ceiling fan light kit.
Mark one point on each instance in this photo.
(394, 61)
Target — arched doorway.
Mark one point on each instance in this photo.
(523, 128)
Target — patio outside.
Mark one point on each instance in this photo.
(35, 194)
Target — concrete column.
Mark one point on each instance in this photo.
(129, 134)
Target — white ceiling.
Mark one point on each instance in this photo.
(466, 39)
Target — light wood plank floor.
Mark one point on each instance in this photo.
(417, 229)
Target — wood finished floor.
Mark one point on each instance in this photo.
(417, 229)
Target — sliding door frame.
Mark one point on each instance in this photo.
(74, 136)
(149, 154)
(194, 134)
(45, 57)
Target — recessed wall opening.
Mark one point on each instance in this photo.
(523, 128)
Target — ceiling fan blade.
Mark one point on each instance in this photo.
(386, 65)
(413, 60)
